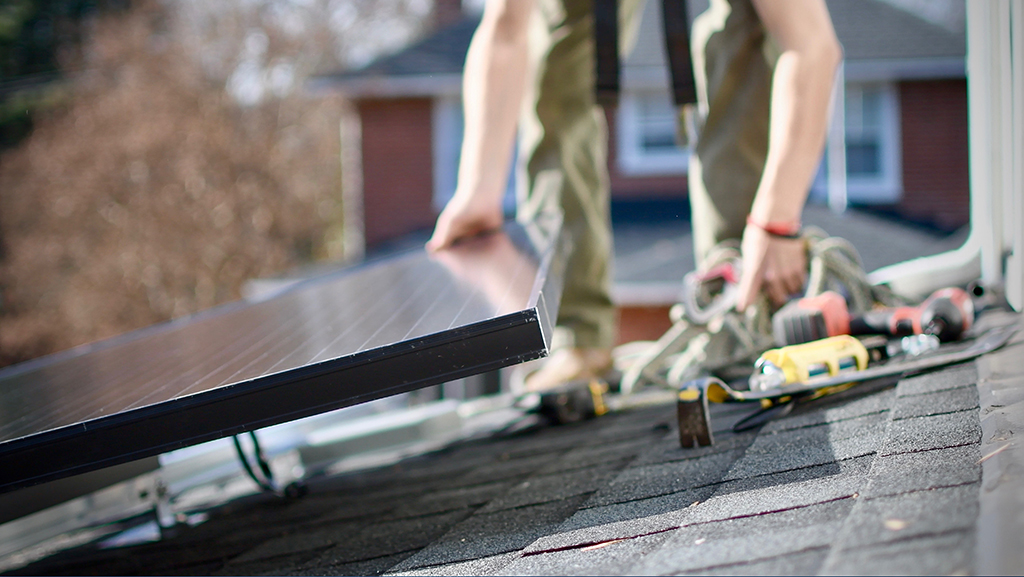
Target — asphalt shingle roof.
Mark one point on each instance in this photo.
(882, 478)
(442, 52)
(878, 30)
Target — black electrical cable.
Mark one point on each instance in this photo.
(763, 416)
(264, 465)
(267, 482)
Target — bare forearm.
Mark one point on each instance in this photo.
(801, 92)
(494, 83)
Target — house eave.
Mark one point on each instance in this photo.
(895, 69)
(857, 70)
(406, 86)
(634, 78)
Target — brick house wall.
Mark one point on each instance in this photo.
(398, 161)
(934, 143)
(397, 167)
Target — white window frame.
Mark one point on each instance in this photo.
(447, 139)
(447, 128)
(887, 186)
(632, 158)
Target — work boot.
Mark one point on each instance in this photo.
(568, 365)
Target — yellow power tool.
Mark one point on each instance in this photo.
(809, 370)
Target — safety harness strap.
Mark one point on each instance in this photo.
(677, 47)
(606, 37)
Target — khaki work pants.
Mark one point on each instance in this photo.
(563, 141)
(733, 61)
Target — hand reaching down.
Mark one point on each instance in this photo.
(777, 264)
(463, 217)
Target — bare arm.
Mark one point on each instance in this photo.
(493, 85)
(801, 91)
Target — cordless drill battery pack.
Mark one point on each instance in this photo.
(811, 319)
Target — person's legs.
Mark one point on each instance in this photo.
(733, 62)
(563, 166)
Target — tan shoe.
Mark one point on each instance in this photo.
(570, 364)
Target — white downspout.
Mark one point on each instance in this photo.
(994, 113)
(837, 195)
(1015, 262)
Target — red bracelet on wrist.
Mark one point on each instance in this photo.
(790, 230)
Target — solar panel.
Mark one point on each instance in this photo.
(364, 333)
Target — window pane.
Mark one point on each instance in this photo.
(654, 139)
(646, 135)
(871, 109)
(864, 131)
(657, 123)
(862, 158)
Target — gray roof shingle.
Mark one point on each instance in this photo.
(878, 479)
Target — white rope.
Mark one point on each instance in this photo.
(731, 341)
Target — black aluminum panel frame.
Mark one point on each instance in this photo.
(461, 351)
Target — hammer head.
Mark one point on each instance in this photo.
(694, 416)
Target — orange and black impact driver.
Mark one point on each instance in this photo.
(948, 313)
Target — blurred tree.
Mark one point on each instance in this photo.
(183, 159)
(34, 35)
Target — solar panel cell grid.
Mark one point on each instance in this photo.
(364, 333)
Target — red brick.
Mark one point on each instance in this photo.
(397, 167)
(642, 323)
(935, 161)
